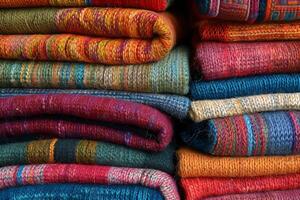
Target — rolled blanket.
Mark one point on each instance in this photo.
(199, 188)
(195, 164)
(225, 60)
(171, 75)
(259, 134)
(210, 109)
(87, 117)
(175, 106)
(84, 152)
(81, 191)
(145, 37)
(248, 10)
(245, 86)
(14, 176)
(157, 5)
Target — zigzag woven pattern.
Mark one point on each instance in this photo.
(13, 176)
(225, 60)
(259, 134)
(150, 37)
(171, 75)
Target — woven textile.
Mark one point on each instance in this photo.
(249, 10)
(121, 36)
(157, 5)
(95, 118)
(195, 164)
(175, 106)
(13, 176)
(225, 60)
(80, 192)
(199, 188)
(245, 86)
(171, 75)
(270, 133)
(210, 109)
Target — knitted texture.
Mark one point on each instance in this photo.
(171, 75)
(210, 109)
(249, 10)
(199, 188)
(81, 191)
(195, 164)
(175, 106)
(225, 60)
(246, 86)
(13, 176)
(157, 5)
(96, 118)
(270, 133)
(85, 152)
(122, 36)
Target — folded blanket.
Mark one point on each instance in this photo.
(245, 86)
(199, 188)
(248, 10)
(195, 164)
(14, 176)
(84, 152)
(81, 191)
(210, 109)
(225, 60)
(236, 32)
(88, 117)
(259, 134)
(157, 5)
(120, 36)
(171, 75)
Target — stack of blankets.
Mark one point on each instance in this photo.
(81, 116)
(245, 139)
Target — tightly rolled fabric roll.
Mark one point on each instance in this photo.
(225, 60)
(171, 75)
(103, 36)
(88, 117)
(83, 152)
(200, 188)
(259, 134)
(14, 176)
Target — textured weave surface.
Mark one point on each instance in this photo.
(270, 133)
(171, 75)
(195, 164)
(245, 86)
(210, 109)
(107, 119)
(199, 188)
(85, 174)
(123, 36)
(80, 192)
(83, 152)
(225, 60)
(176, 106)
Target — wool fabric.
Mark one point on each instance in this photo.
(156, 5)
(195, 164)
(245, 86)
(14, 176)
(259, 134)
(96, 118)
(225, 60)
(210, 109)
(120, 36)
(81, 191)
(173, 105)
(200, 188)
(171, 75)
